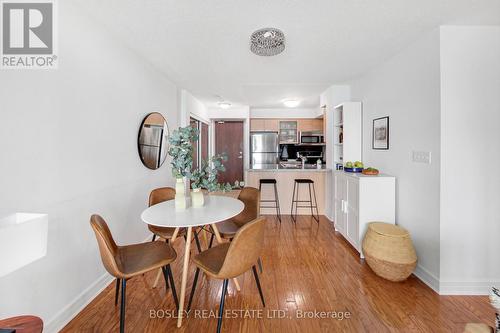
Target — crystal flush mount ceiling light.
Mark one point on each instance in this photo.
(267, 42)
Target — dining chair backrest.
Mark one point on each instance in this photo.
(245, 249)
(107, 246)
(251, 198)
(160, 195)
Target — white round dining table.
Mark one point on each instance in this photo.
(216, 209)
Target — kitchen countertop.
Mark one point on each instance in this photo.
(278, 167)
(360, 175)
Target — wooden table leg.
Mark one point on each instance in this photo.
(160, 273)
(184, 275)
(174, 235)
(219, 240)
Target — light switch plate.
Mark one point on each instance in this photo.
(421, 157)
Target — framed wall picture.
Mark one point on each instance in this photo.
(380, 138)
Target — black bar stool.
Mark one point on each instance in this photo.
(296, 201)
(276, 199)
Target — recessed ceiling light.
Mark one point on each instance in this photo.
(291, 103)
(224, 105)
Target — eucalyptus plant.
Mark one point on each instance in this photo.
(206, 176)
(181, 150)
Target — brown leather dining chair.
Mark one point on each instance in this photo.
(251, 198)
(228, 260)
(160, 195)
(125, 262)
(227, 229)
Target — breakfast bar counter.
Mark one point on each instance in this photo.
(278, 167)
(285, 177)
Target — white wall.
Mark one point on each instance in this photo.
(192, 107)
(470, 144)
(406, 88)
(68, 144)
(285, 112)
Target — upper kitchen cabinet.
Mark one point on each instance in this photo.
(272, 125)
(257, 124)
(310, 125)
(288, 131)
(267, 125)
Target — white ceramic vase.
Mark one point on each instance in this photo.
(180, 194)
(197, 198)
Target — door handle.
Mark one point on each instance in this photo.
(240, 157)
(344, 206)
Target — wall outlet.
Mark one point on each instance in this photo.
(421, 157)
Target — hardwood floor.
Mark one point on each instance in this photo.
(307, 267)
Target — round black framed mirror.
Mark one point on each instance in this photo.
(152, 141)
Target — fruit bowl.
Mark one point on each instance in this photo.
(354, 170)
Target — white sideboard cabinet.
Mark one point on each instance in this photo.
(359, 200)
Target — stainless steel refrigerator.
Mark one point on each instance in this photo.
(264, 148)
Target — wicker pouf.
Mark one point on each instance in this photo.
(389, 251)
(478, 328)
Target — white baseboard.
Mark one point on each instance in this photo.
(482, 287)
(466, 287)
(427, 277)
(64, 316)
(70, 311)
(329, 217)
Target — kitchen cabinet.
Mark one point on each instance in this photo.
(267, 125)
(359, 200)
(271, 125)
(257, 124)
(288, 131)
(310, 125)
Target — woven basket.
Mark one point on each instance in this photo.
(389, 251)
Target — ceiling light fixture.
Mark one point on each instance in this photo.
(291, 103)
(224, 105)
(267, 42)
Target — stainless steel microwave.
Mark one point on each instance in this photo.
(311, 138)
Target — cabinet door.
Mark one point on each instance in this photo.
(305, 125)
(339, 217)
(340, 198)
(352, 227)
(352, 193)
(257, 125)
(271, 125)
(317, 125)
(352, 211)
(288, 131)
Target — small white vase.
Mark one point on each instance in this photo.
(180, 188)
(180, 194)
(197, 198)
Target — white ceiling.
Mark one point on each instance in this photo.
(203, 46)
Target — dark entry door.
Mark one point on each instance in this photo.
(229, 140)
